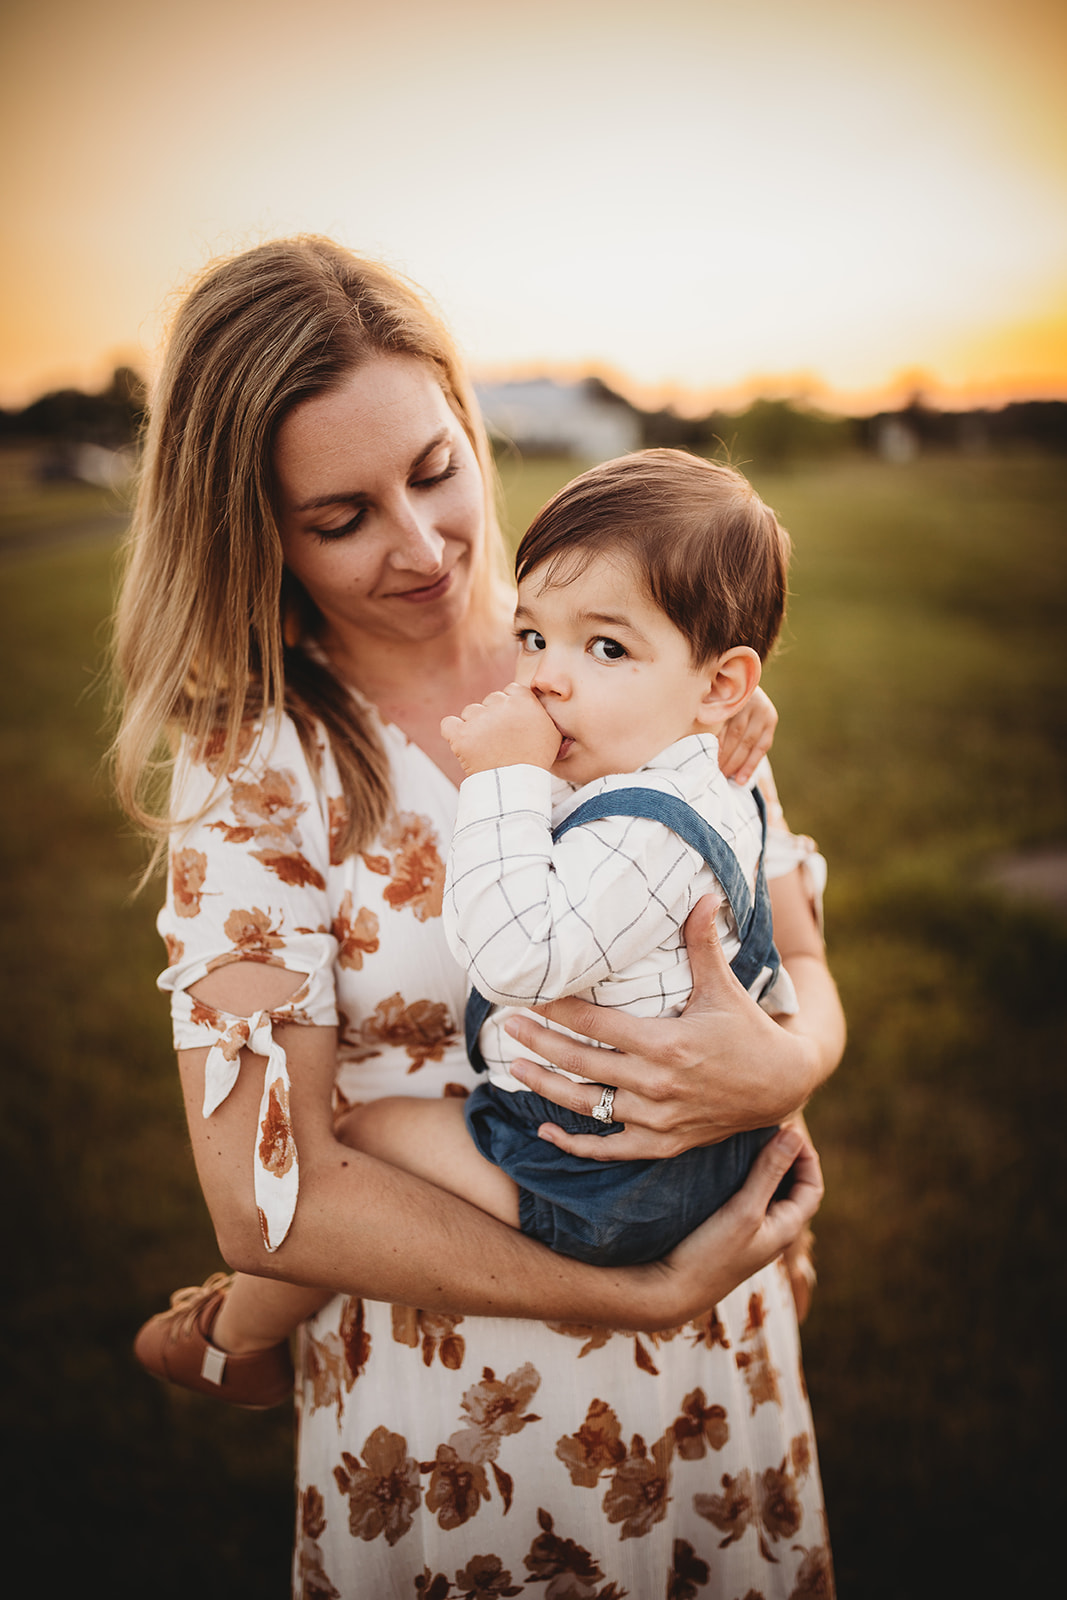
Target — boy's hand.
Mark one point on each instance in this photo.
(747, 737)
(508, 728)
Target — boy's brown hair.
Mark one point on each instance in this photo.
(712, 556)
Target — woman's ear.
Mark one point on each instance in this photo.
(734, 678)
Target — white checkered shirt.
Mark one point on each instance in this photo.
(598, 914)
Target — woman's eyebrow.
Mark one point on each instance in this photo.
(355, 497)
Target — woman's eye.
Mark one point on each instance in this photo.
(329, 535)
(530, 640)
(607, 650)
(430, 481)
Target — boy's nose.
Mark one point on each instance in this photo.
(549, 679)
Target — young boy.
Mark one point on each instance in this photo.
(650, 590)
(593, 817)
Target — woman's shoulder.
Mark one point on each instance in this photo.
(262, 755)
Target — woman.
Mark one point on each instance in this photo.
(315, 532)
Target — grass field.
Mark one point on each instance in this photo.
(923, 734)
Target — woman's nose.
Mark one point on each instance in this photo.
(418, 546)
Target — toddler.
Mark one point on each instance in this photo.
(593, 817)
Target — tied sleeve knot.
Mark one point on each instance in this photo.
(274, 1162)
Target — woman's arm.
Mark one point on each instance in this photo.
(365, 1228)
(722, 1067)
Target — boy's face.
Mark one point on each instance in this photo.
(611, 670)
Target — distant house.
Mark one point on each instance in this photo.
(542, 417)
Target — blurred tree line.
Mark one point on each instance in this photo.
(111, 418)
(770, 434)
(774, 434)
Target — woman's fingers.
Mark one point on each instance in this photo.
(714, 985)
(752, 1229)
(633, 1143)
(610, 1027)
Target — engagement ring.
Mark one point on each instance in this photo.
(602, 1109)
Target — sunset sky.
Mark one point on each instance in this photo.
(843, 199)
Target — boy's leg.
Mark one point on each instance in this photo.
(260, 1312)
(429, 1138)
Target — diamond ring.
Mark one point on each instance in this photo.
(602, 1109)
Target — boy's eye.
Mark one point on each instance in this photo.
(530, 641)
(607, 650)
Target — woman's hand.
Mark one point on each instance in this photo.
(747, 737)
(750, 1231)
(722, 1067)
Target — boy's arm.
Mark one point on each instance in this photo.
(533, 920)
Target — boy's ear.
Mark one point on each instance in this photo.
(733, 679)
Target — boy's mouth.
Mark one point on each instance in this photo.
(564, 747)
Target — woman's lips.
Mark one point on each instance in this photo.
(432, 591)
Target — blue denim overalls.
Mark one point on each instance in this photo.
(619, 1213)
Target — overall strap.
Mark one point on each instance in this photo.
(752, 914)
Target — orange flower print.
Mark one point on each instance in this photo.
(485, 1578)
(314, 1582)
(188, 869)
(638, 1495)
(337, 816)
(709, 1331)
(436, 1331)
(755, 1362)
(731, 1512)
(800, 1453)
(175, 949)
(200, 1012)
(779, 1511)
(210, 752)
(432, 1586)
(383, 1493)
(815, 1578)
(277, 1148)
(291, 867)
(414, 865)
(457, 1485)
(595, 1338)
(423, 1028)
(250, 932)
(552, 1559)
(270, 807)
(497, 1409)
(688, 1573)
(699, 1427)
(596, 1448)
(324, 1363)
(356, 936)
(355, 1340)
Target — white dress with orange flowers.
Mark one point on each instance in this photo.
(445, 1456)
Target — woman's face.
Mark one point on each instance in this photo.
(380, 503)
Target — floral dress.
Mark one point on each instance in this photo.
(446, 1456)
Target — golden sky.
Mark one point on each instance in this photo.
(837, 197)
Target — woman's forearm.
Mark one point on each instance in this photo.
(364, 1228)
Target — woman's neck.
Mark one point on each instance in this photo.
(414, 685)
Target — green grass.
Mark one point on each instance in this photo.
(922, 732)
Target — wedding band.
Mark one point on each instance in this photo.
(602, 1109)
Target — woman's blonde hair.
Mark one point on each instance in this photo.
(209, 625)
